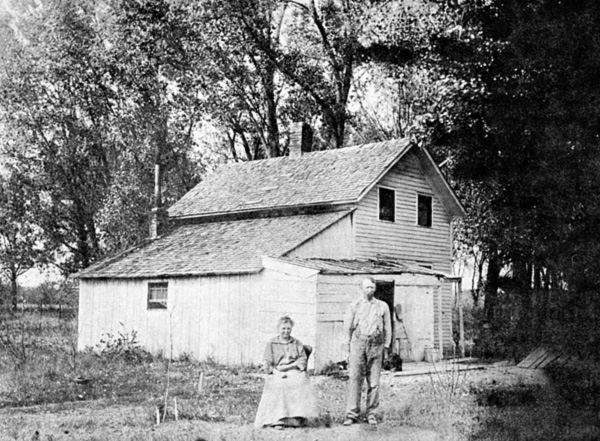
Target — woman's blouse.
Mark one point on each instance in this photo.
(279, 352)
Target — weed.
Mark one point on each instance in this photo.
(123, 345)
(448, 382)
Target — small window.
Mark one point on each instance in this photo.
(157, 295)
(424, 210)
(387, 204)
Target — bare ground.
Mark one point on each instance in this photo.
(102, 420)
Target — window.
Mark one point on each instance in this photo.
(157, 295)
(424, 210)
(387, 204)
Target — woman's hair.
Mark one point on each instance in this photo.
(285, 319)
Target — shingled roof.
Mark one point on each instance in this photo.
(226, 247)
(361, 266)
(324, 177)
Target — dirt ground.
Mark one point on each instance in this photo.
(100, 420)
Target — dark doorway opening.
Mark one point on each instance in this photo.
(384, 291)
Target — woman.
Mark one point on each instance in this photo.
(288, 398)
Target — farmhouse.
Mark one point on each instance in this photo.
(291, 235)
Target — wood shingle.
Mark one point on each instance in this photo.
(330, 176)
(227, 247)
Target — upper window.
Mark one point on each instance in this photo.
(157, 295)
(387, 204)
(424, 210)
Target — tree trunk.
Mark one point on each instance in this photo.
(14, 295)
(272, 149)
(491, 287)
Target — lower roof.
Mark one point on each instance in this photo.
(226, 247)
(362, 266)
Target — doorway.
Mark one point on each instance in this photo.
(384, 291)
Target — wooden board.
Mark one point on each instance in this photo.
(539, 359)
(532, 358)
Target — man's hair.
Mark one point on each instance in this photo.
(370, 279)
(285, 319)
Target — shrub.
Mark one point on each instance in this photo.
(577, 383)
(124, 346)
(17, 342)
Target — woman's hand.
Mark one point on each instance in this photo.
(284, 367)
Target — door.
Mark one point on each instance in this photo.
(415, 321)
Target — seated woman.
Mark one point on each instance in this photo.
(288, 398)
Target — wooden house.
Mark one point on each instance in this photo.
(287, 236)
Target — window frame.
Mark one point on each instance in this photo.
(430, 197)
(393, 190)
(152, 303)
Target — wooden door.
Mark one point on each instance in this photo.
(415, 330)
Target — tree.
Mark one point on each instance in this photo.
(152, 59)
(20, 239)
(531, 135)
(315, 49)
(87, 114)
(55, 109)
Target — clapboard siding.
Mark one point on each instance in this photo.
(404, 239)
(214, 317)
(336, 242)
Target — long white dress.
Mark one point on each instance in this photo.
(288, 398)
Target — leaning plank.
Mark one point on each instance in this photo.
(531, 358)
(537, 363)
(550, 359)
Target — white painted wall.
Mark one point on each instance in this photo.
(336, 292)
(404, 239)
(216, 317)
(227, 318)
(336, 242)
(288, 290)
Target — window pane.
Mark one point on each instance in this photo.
(387, 204)
(157, 295)
(424, 214)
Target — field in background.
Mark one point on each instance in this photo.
(49, 391)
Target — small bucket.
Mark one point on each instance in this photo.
(431, 355)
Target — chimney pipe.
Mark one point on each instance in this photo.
(158, 216)
(300, 139)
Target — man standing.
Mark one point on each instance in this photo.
(368, 334)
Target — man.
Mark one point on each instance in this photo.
(368, 334)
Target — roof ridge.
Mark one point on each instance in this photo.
(335, 175)
(314, 153)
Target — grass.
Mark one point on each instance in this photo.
(114, 391)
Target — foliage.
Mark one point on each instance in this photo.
(93, 96)
(122, 345)
(315, 61)
(578, 383)
(522, 143)
(19, 236)
(17, 342)
(529, 412)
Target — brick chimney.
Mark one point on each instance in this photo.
(158, 215)
(300, 139)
